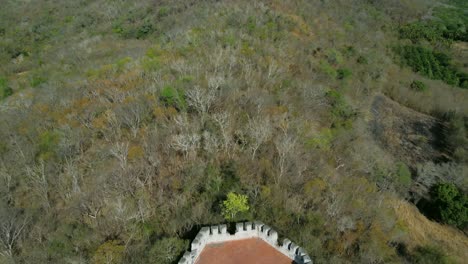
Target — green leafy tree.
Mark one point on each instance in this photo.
(451, 204)
(172, 97)
(233, 205)
(432, 64)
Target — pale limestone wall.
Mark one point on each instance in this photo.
(218, 234)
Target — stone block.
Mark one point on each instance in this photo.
(306, 260)
(223, 229)
(273, 237)
(204, 232)
(293, 248)
(239, 227)
(215, 230)
(286, 243)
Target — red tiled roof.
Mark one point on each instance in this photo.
(245, 251)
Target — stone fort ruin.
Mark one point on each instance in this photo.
(252, 242)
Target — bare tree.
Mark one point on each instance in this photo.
(225, 124)
(120, 151)
(214, 82)
(284, 146)
(201, 100)
(91, 207)
(186, 143)
(211, 142)
(132, 116)
(113, 126)
(182, 123)
(6, 183)
(259, 130)
(180, 66)
(12, 227)
(39, 183)
(72, 171)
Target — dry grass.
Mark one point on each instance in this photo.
(407, 134)
(422, 231)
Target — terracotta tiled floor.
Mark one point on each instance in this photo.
(246, 251)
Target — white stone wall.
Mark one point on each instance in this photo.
(218, 234)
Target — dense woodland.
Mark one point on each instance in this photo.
(125, 126)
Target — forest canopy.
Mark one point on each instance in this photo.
(126, 126)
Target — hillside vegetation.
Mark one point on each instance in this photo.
(125, 126)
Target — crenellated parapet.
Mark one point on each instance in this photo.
(244, 230)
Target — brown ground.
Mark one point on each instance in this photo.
(422, 231)
(246, 251)
(409, 135)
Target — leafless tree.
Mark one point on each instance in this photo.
(182, 123)
(214, 82)
(201, 99)
(12, 227)
(211, 142)
(6, 182)
(113, 131)
(186, 143)
(259, 130)
(72, 171)
(284, 145)
(217, 59)
(120, 151)
(39, 183)
(333, 204)
(225, 125)
(132, 116)
(180, 66)
(91, 207)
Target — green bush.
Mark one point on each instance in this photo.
(419, 30)
(5, 90)
(144, 30)
(328, 69)
(450, 204)
(418, 86)
(429, 255)
(349, 51)
(37, 80)
(48, 143)
(362, 60)
(173, 97)
(433, 65)
(403, 175)
(163, 11)
(453, 20)
(334, 57)
(343, 114)
(450, 24)
(343, 73)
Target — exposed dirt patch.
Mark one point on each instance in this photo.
(410, 136)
